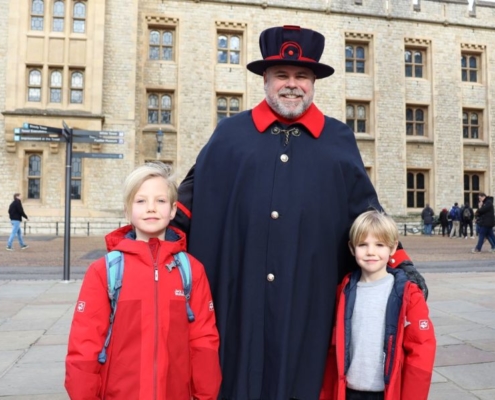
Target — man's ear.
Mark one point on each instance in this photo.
(351, 248)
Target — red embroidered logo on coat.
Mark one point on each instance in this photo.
(424, 324)
(80, 306)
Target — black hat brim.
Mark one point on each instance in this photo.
(320, 70)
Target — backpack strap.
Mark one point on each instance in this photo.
(115, 271)
(182, 262)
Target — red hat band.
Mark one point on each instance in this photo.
(290, 51)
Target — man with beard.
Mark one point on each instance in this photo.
(267, 209)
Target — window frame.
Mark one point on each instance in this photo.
(467, 69)
(39, 16)
(229, 50)
(468, 191)
(79, 178)
(415, 190)
(354, 59)
(51, 71)
(367, 121)
(30, 177)
(415, 123)
(413, 64)
(58, 17)
(72, 88)
(75, 19)
(161, 45)
(470, 127)
(33, 85)
(227, 112)
(159, 108)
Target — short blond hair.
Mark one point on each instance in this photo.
(144, 172)
(377, 224)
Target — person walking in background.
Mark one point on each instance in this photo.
(455, 215)
(377, 305)
(16, 213)
(486, 222)
(467, 214)
(444, 222)
(427, 217)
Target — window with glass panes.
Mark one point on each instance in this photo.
(76, 87)
(416, 121)
(417, 189)
(56, 86)
(34, 176)
(160, 108)
(79, 17)
(355, 57)
(227, 106)
(472, 187)
(76, 178)
(471, 124)
(229, 48)
(470, 67)
(37, 14)
(58, 16)
(414, 60)
(161, 44)
(356, 117)
(34, 85)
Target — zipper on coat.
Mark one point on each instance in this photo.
(155, 351)
(388, 358)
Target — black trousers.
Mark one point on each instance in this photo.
(357, 395)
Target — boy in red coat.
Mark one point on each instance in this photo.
(383, 346)
(154, 351)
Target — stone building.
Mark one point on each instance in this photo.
(415, 79)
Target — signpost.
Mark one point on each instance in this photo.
(48, 134)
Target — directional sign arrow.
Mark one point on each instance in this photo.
(97, 155)
(78, 132)
(42, 128)
(39, 138)
(97, 139)
(22, 131)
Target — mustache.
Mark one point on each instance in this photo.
(291, 92)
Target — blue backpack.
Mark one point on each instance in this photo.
(115, 272)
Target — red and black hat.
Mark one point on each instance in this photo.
(291, 45)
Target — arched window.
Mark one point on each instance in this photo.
(161, 43)
(58, 16)
(471, 124)
(414, 62)
(416, 121)
(356, 117)
(77, 87)
(56, 86)
(229, 48)
(355, 58)
(37, 13)
(417, 189)
(160, 108)
(34, 176)
(227, 106)
(472, 187)
(470, 66)
(79, 18)
(34, 85)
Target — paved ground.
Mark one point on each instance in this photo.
(35, 315)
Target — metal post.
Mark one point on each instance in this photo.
(56, 228)
(67, 132)
(405, 230)
(88, 228)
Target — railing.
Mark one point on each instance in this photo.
(57, 228)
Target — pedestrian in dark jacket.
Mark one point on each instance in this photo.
(267, 209)
(444, 221)
(16, 213)
(377, 305)
(467, 215)
(486, 222)
(455, 214)
(427, 216)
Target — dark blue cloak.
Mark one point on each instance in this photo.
(275, 333)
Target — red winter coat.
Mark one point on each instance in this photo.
(154, 351)
(411, 364)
